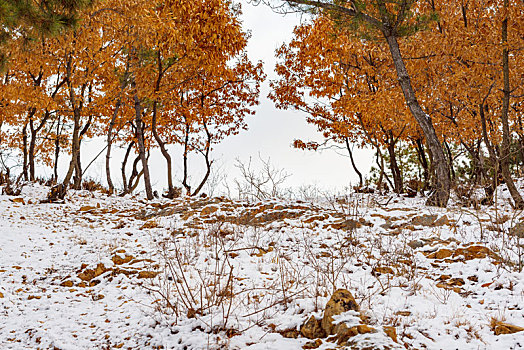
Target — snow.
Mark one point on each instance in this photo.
(254, 270)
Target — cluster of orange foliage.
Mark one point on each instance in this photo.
(344, 78)
(141, 73)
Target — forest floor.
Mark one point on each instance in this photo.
(103, 272)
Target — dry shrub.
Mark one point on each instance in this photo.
(92, 185)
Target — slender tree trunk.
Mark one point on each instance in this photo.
(57, 151)
(124, 163)
(32, 144)
(506, 134)
(111, 126)
(79, 173)
(24, 151)
(423, 162)
(393, 164)
(442, 184)
(74, 148)
(141, 147)
(170, 188)
(360, 178)
(450, 159)
(209, 162)
(490, 188)
(109, 140)
(186, 153)
(31, 153)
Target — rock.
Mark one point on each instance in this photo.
(88, 274)
(391, 332)
(67, 284)
(414, 244)
(440, 254)
(517, 230)
(388, 225)
(443, 220)
(17, 200)
(473, 278)
(344, 332)
(347, 225)
(382, 270)
(341, 301)
(430, 220)
(312, 344)
(403, 313)
(456, 282)
(424, 220)
(118, 260)
(312, 329)
(147, 274)
(150, 224)
(476, 252)
(506, 328)
(290, 333)
(444, 277)
(210, 209)
(87, 208)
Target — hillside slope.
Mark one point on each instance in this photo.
(110, 272)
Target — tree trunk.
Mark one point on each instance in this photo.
(109, 140)
(24, 151)
(395, 171)
(186, 152)
(489, 188)
(506, 134)
(75, 148)
(423, 162)
(141, 147)
(124, 163)
(360, 178)
(32, 143)
(171, 193)
(57, 151)
(450, 160)
(209, 162)
(441, 185)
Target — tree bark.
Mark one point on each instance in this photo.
(109, 140)
(57, 151)
(170, 188)
(506, 134)
(393, 164)
(24, 151)
(423, 162)
(141, 147)
(442, 183)
(186, 152)
(360, 178)
(124, 163)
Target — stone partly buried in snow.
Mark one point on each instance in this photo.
(89, 274)
(341, 301)
(430, 220)
(517, 230)
(467, 253)
(312, 329)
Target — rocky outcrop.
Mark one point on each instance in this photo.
(341, 301)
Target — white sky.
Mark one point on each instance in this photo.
(271, 131)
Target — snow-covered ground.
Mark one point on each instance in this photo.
(108, 272)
